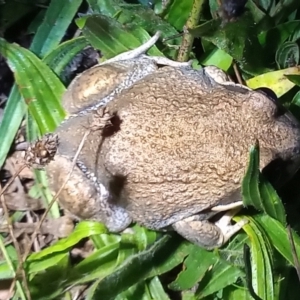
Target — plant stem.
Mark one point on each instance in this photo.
(188, 39)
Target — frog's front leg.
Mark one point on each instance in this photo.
(84, 196)
(206, 234)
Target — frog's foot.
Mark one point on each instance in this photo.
(84, 196)
(221, 77)
(206, 234)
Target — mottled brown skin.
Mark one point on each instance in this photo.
(181, 150)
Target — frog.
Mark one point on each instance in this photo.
(175, 152)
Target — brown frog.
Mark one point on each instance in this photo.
(176, 151)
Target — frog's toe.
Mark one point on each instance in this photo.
(207, 234)
(229, 230)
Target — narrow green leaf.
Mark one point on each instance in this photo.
(295, 104)
(11, 121)
(275, 36)
(223, 273)
(38, 85)
(139, 16)
(111, 37)
(278, 236)
(222, 276)
(83, 229)
(262, 277)
(5, 271)
(12, 117)
(258, 192)
(58, 17)
(138, 267)
(98, 265)
(238, 39)
(178, 12)
(60, 57)
(156, 289)
(250, 189)
(287, 55)
(235, 293)
(196, 265)
(45, 263)
(143, 237)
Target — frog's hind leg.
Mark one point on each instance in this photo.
(206, 234)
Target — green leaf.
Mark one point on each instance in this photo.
(98, 265)
(294, 78)
(223, 273)
(38, 85)
(162, 256)
(217, 58)
(82, 230)
(156, 289)
(193, 271)
(111, 38)
(276, 36)
(143, 237)
(295, 105)
(283, 9)
(238, 39)
(258, 192)
(12, 12)
(234, 293)
(132, 15)
(287, 55)
(60, 57)
(55, 278)
(278, 236)
(15, 104)
(262, 276)
(139, 18)
(58, 17)
(178, 12)
(276, 81)
(45, 263)
(12, 117)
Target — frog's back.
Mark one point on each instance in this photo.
(183, 145)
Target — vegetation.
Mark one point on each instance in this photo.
(260, 45)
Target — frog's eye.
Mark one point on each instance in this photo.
(272, 96)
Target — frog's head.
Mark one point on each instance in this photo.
(279, 134)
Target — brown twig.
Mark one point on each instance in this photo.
(294, 252)
(20, 268)
(36, 231)
(12, 179)
(237, 74)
